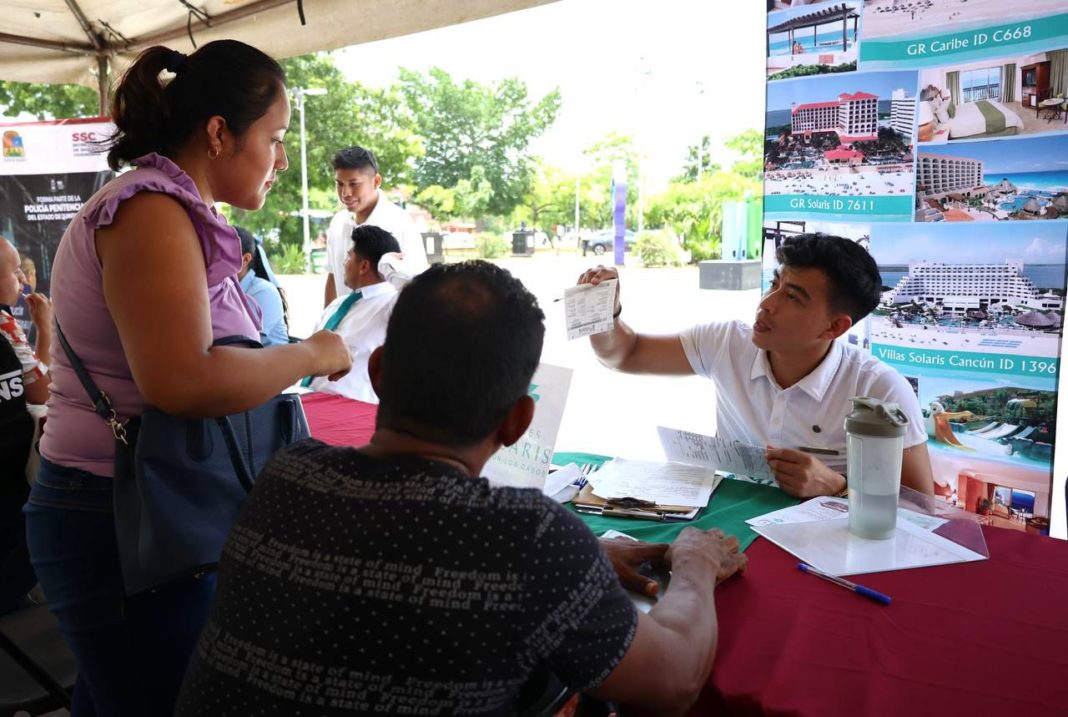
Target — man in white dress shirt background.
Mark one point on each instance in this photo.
(361, 313)
(358, 185)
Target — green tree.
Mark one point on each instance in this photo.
(48, 101)
(749, 146)
(698, 161)
(694, 210)
(551, 200)
(464, 125)
(596, 195)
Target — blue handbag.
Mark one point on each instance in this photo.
(180, 482)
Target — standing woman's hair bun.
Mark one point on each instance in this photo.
(226, 78)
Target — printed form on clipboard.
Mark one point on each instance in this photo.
(647, 490)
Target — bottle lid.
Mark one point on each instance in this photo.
(872, 417)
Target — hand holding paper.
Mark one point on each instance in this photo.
(714, 452)
(588, 308)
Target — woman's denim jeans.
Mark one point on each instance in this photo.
(131, 652)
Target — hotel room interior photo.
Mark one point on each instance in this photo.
(995, 98)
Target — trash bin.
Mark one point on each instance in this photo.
(523, 243)
(435, 247)
(318, 261)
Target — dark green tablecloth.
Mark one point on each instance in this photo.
(733, 503)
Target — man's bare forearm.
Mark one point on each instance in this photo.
(615, 346)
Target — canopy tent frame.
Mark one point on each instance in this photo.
(56, 41)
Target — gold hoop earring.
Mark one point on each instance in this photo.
(213, 152)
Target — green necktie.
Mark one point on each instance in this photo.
(334, 320)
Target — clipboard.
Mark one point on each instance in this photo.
(588, 503)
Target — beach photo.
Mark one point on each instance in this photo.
(1020, 95)
(952, 289)
(840, 136)
(813, 39)
(1021, 179)
(916, 18)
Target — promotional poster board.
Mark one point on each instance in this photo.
(935, 133)
(47, 171)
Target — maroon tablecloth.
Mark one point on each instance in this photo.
(337, 420)
(984, 638)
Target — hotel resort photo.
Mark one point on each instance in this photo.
(909, 18)
(960, 288)
(813, 39)
(1021, 95)
(1020, 179)
(849, 135)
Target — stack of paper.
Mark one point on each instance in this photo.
(642, 489)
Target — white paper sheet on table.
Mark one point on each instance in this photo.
(829, 546)
(714, 452)
(831, 508)
(660, 483)
(561, 478)
(588, 308)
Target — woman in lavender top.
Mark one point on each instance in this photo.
(144, 281)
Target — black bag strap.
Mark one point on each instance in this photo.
(100, 400)
(103, 408)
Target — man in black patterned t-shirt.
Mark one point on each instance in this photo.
(391, 579)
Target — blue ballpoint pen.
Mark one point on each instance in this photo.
(858, 589)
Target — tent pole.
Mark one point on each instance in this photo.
(102, 82)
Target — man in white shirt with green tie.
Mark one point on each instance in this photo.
(361, 316)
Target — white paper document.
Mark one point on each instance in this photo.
(829, 546)
(588, 308)
(659, 483)
(561, 478)
(831, 508)
(714, 452)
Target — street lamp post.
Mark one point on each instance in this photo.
(299, 93)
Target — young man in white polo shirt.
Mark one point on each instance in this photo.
(358, 185)
(785, 382)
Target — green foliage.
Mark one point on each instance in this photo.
(749, 148)
(287, 259)
(807, 70)
(658, 248)
(491, 245)
(465, 125)
(698, 161)
(48, 101)
(694, 210)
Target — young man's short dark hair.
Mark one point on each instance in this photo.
(371, 242)
(854, 277)
(355, 158)
(485, 331)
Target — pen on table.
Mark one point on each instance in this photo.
(858, 589)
